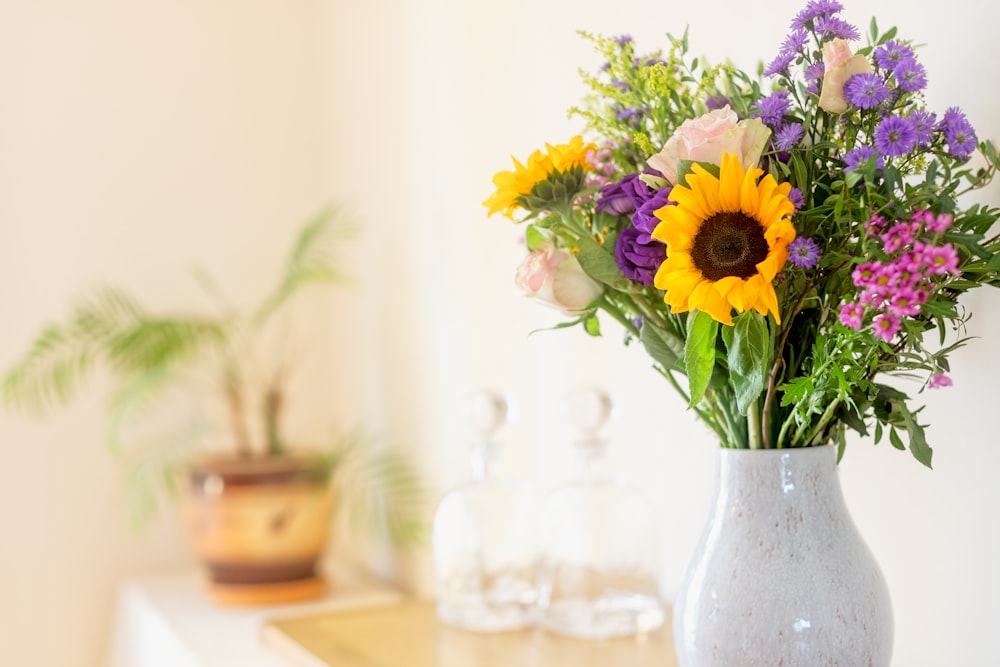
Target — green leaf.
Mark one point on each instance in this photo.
(600, 264)
(748, 357)
(592, 325)
(534, 237)
(663, 346)
(685, 167)
(699, 353)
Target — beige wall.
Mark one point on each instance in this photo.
(139, 138)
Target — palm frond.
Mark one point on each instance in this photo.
(313, 259)
(61, 356)
(380, 490)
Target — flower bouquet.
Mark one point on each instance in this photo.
(786, 241)
(783, 246)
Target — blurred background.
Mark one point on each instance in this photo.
(140, 139)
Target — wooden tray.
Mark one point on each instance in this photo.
(409, 634)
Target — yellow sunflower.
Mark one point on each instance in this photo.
(726, 238)
(514, 186)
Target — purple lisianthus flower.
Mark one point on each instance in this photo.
(859, 156)
(923, 125)
(638, 255)
(803, 252)
(895, 136)
(788, 136)
(644, 219)
(910, 76)
(866, 91)
(891, 54)
(623, 197)
(773, 108)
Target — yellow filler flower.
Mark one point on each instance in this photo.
(726, 238)
(516, 188)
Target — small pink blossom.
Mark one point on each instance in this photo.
(907, 302)
(875, 225)
(851, 315)
(941, 259)
(885, 325)
(866, 274)
(939, 380)
(899, 235)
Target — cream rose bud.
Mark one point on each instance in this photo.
(840, 64)
(706, 138)
(555, 277)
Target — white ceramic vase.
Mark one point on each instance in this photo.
(781, 575)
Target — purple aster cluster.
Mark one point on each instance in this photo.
(819, 17)
(898, 59)
(958, 133)
(858, 157)
(637, 253)
(895, 136)
(866, 91)
(897, 287)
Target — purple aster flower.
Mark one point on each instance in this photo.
(791, 48)
(939, 380)
(644, 219)
(780, 64)
(885, 325)
(830, 27)
(851, 315)
(803, 252)
(788, 136)
(892, 53)
(910, 76)
(814, 76)
(815, 9)
(895, 136)
(638, 255)
(717, 102)
(859, 157)
(623, 197)
(958, 132)
(866, 91)
(773, 107)
(797, 198)
(923, 125)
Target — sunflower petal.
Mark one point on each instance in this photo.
(707, 299)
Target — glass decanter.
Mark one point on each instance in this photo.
(484, 538)
(599, 542)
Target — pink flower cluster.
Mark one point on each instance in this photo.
(603, 162)
(896, 288)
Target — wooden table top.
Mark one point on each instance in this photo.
(409, 634)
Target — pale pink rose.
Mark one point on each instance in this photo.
(555, 277)
(840, 64)
(708, 137)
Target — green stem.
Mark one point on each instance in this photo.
(753, 426)
(614, 311)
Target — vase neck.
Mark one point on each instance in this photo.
(791, 475)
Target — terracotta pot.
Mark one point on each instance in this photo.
(261, 520)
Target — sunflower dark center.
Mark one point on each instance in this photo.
(729, 244)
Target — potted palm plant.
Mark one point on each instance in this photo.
(258, 511)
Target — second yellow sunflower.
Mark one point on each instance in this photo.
(727, 238)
